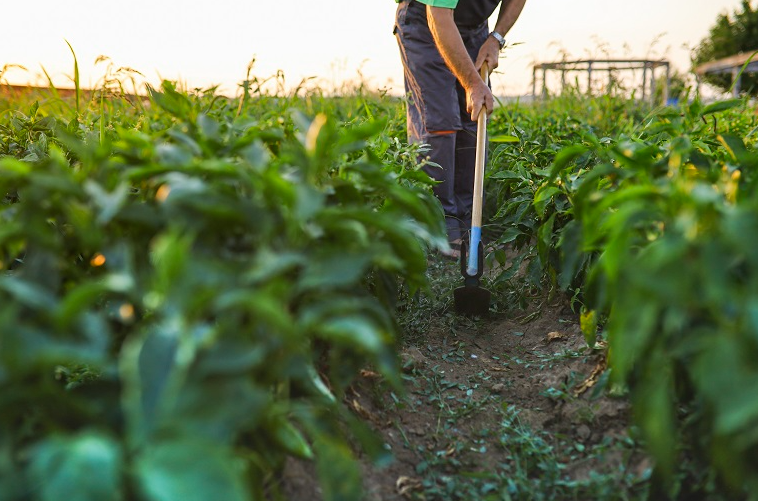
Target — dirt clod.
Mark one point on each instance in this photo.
(412, 359)
(583, 432)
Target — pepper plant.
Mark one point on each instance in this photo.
(186, 294)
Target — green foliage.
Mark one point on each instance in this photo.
(25, 136)
(651, 227)
(526, 205)
(196, 277)
(186, 294)
(535, 467)
(731, 35)
(57, 464)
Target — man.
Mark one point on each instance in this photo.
(443, 44)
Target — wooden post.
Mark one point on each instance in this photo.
(534, 83)
(644, 81)
(589, 78)
(697, 87)
(652, 84)
(667, 85)
(736, 82)
(544, 83)
(610, 82)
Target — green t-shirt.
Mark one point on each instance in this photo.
(450, 4)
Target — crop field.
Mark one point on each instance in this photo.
(206, 298)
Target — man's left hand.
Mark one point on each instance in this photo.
(489, 52)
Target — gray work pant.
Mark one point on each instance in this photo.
(437, 113)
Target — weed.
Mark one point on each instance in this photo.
(523, 464)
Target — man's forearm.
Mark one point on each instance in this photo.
(453, 51)
(507, 16)
(450, 45)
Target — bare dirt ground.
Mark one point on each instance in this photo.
(500, 408)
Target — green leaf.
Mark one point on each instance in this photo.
(335, 270)
(318, 384)
(28, 293)
(170, 255)
(190, 470)
(11, 167)
(572, 254)
(153, 368)
(636, 317)
(238, 404)
(174, 102)
(157, 361)
(730, 392)
(108, 203)
(509, 235)
(354, 330)
(309, 201)
(291, 439)
(653, 401)
(503, 138)
(209, 127)
(229, 357)
(87, 293)
(338, 470)
(256, 155)
(588, 322)
(172, 155)
(543, 196)
(85, 467)
(734, 145)
(564, 157)
(545, 240)
(268, 308)
(505, 174)
(721, 106)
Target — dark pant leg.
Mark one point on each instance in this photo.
(443, 168)
(433, 106)
(465, 166)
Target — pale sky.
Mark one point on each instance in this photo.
(208, 43)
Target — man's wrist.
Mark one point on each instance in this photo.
(500, 39)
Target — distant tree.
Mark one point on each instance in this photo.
(729, 36)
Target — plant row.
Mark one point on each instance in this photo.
(188, 286)
(649, 222)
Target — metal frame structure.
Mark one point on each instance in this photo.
(591, 66)
(732, 65)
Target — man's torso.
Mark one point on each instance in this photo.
(468, 13)
(472, 13)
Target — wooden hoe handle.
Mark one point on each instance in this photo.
(476, 212)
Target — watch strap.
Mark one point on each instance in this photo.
(497, 36)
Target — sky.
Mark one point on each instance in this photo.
(328, 42)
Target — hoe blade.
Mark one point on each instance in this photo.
(472, 301)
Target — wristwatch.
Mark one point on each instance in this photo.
(497, 36)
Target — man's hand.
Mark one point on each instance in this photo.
(453, 51)
(488, 53)
(479, 98)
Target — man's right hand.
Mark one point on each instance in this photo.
(453, 51)
(479, 97)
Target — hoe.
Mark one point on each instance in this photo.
(472, 299)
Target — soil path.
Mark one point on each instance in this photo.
(497, 405)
